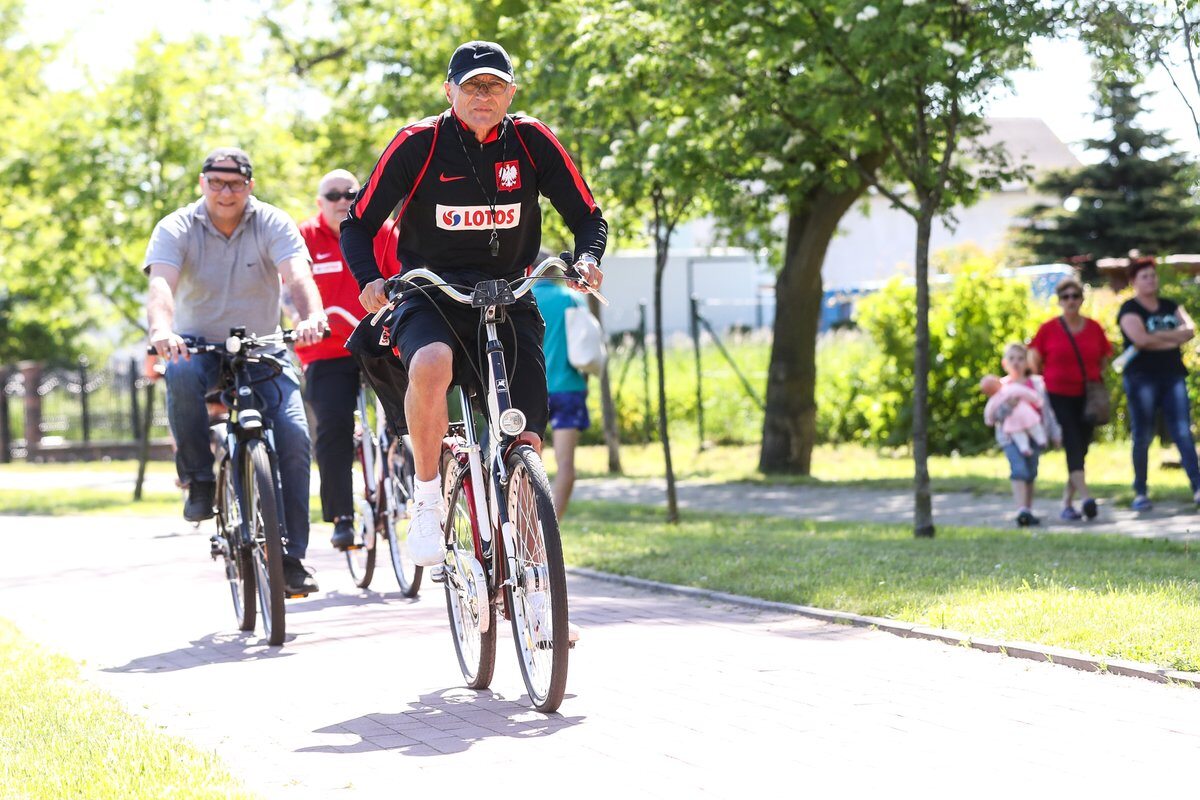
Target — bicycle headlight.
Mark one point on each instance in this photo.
(250, 420)
(233, 344)
(512, 421)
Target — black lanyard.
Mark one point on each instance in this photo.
(494, 241)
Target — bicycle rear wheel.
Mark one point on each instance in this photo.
(538, 601)
(239, 571)
(468, 602)
(360, 557)
(262, 515)
(397, 486)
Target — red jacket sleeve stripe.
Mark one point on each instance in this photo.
(579, 184)
(364, 199)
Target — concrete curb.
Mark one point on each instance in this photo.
(1026, 650)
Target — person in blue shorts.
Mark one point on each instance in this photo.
(566, 385)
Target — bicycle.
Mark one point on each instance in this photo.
(383, 490)
(250, 529)
(383, 486)
(499, 555)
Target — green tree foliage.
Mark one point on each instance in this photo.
(921, 73)
(1126, 201)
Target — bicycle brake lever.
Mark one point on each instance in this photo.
(378, 314)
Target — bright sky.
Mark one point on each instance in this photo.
(102, 35)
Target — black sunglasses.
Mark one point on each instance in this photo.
(1070, 296)
(333, 197)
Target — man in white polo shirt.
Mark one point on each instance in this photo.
(213, 265)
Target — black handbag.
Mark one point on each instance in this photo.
(1096, 408)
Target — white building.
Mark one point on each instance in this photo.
(873, 243)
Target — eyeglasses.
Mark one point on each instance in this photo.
(1070, 296)
(485, 88)
(218, 185)
(333, 197)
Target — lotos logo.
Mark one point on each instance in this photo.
(470, 218)
(508, 176)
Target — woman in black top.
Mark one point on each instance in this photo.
(1154, 378)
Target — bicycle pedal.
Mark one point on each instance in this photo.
(437, 574)
(295, 596)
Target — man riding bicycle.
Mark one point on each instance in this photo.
(467, 182)
(331, 373)
(213, 265)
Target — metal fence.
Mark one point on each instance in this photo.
(46, 410)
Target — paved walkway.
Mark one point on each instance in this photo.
(834, 503)
(667, 697)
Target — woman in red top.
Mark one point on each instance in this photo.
(1053, 353)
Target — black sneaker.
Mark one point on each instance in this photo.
(343, 533)
(199, 504)
(297, 580)
(1089, 508)
(1026, 518)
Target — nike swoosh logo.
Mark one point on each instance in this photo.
(323, 256)
(444, 179)
(478, 56)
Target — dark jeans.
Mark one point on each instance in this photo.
(331, 389)
(1076, 432)
(189, 381)
(1147, 394)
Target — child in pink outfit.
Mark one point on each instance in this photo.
(1024, 421)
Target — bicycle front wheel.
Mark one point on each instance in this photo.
(239, 571)
(537, 598)
(397, 486)
(468, 602)
(262, 515)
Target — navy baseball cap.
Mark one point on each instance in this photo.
(235, 154)
(479, 58)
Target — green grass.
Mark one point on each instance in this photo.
(1111, 596)
(60, 737)
(1109, 469)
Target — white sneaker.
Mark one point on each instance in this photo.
(426, 543)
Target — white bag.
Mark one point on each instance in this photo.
(586, 349)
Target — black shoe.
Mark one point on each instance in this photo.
(343, 533)
(297, 581)
(1025, 519)
(199, 504)
(1089, 508)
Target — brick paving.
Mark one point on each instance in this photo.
(667, 696)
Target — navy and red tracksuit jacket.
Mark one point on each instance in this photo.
(433, 169)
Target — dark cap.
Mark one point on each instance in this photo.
(479, 58)
(236, 155)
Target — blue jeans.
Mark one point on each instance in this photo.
(1022, 467)
(1147, 394)
(189, 381)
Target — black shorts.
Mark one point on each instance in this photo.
(420, 321)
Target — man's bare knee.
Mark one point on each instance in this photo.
(431, 368)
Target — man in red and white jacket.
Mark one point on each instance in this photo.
(331, 374)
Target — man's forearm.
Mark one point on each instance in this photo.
(160, 309)
(306, 297)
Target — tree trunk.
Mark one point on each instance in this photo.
(923, 502)
(790, 418)
(661, 244)
(607, 410)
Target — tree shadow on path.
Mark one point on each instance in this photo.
(443, 723)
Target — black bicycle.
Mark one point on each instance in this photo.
(249, 502)
(383, 487)
(503, 548)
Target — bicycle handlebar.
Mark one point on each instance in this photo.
(393, 286)
(237, 343)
